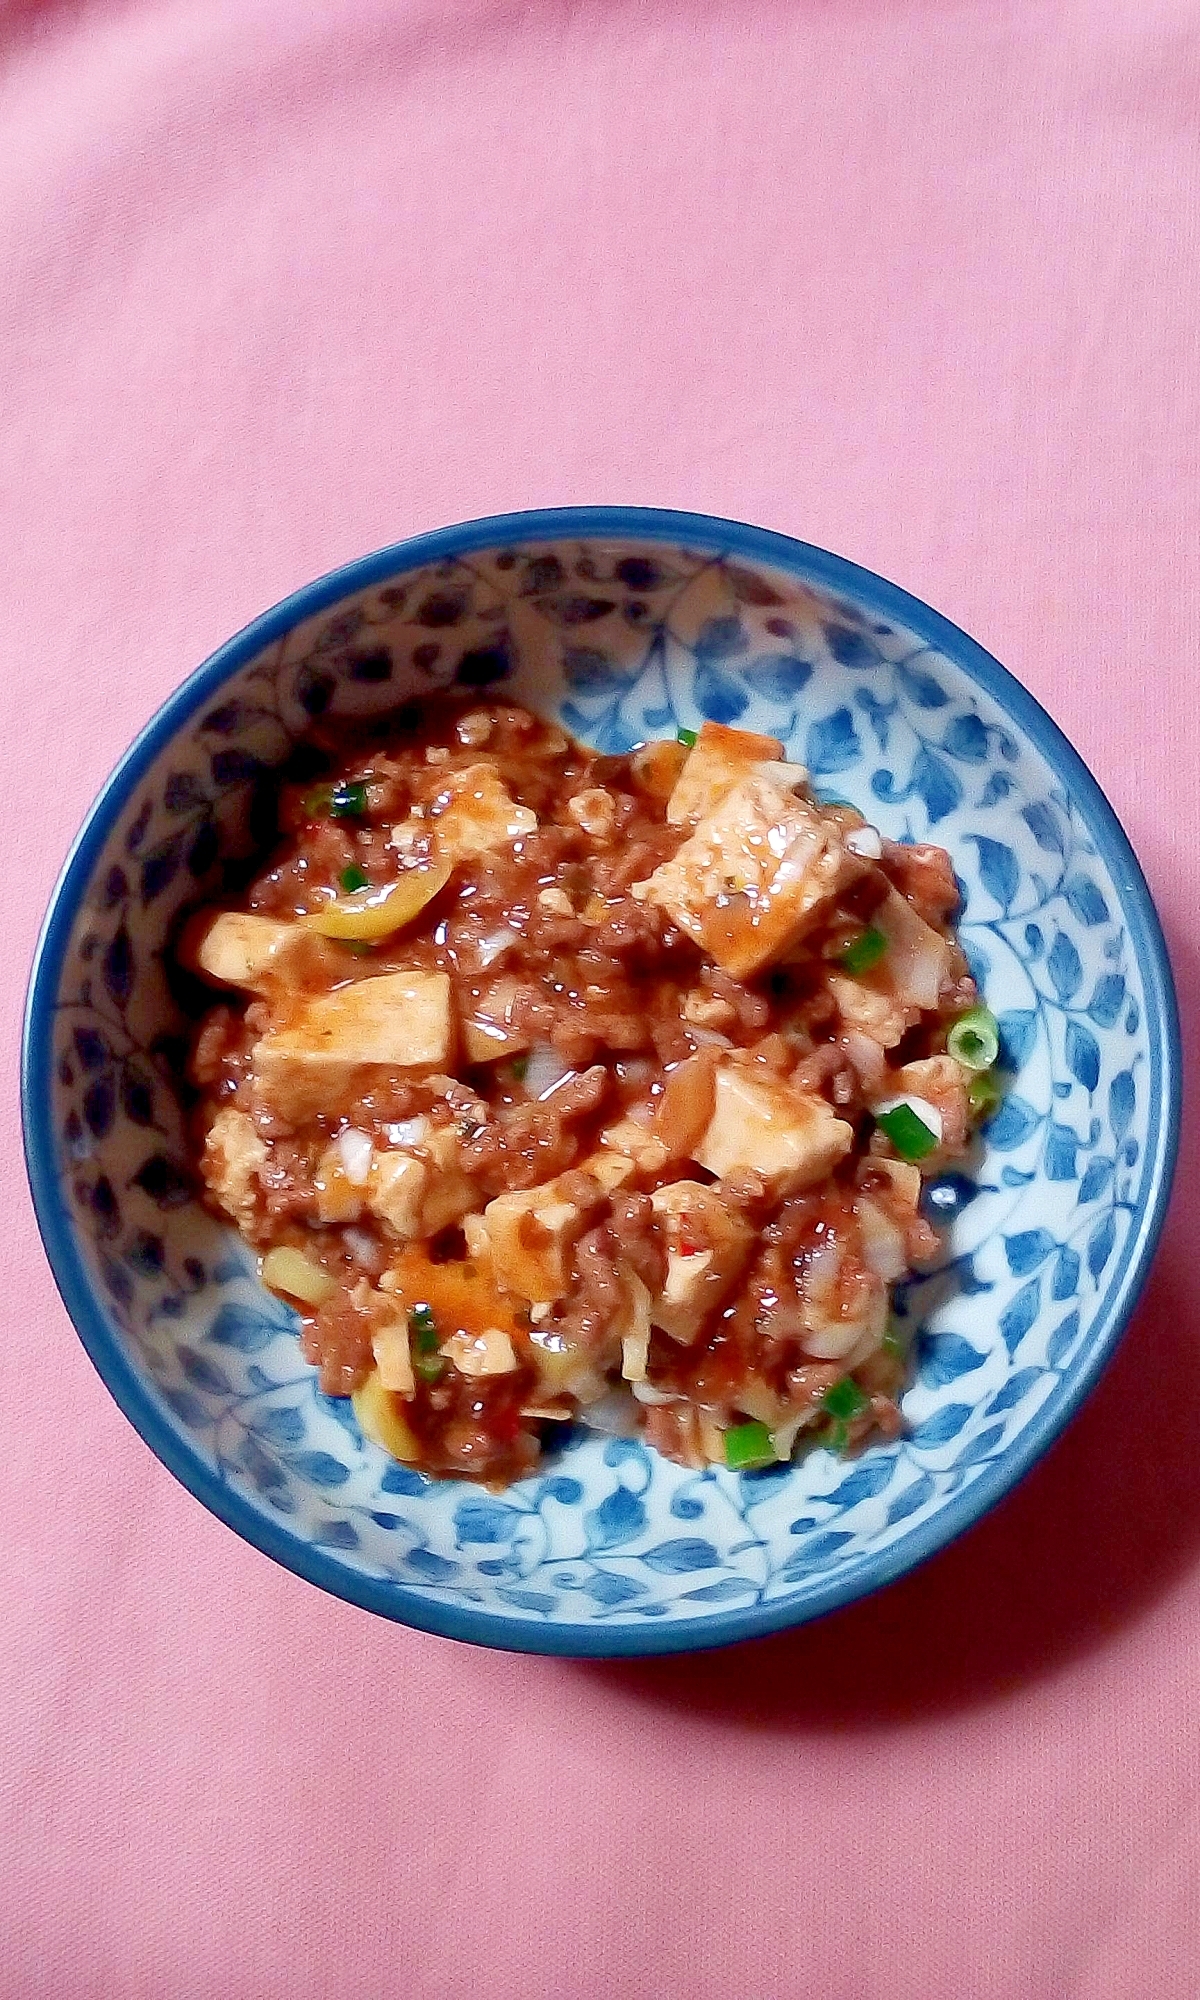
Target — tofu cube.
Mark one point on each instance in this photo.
(612, 1170)
(395, 1021)
(338, 1199)
(708, 1247)
(531, 1234)
(917, 962)
(389, 1340)
(488, 1033)
(488, 1353)
(449, 1195)
(233, 1154)
(238, 948)
(706, 1010)
(396, 1192)
(792, 1137)
(719, 759)
(753, 877)
(417, 1193)
(595, 810)
(486, 1041)
(479, 1249)
(900, 1192)
(480, 814)
(636, 1143)
(870, 1009)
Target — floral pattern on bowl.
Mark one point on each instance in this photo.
(624, 625)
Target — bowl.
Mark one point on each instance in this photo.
(623, 623)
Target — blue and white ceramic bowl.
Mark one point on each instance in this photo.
(624, 624)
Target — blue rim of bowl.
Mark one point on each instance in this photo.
(867, 1573)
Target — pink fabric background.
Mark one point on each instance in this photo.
(916, 280)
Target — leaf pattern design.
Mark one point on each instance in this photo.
(645, 640)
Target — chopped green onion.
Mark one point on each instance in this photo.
(845, 1399)
(835, 1436)
(687, 737)
(348, 801)
(974, 1040)
(865, 951)
(519, 1066)
(353, 878)
(909, 1134)
(316, 803)
(356, 947)
(748, 1447)
(893, 1345)
(983, 1095)
(422, 1327)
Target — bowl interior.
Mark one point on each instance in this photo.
(622, 629)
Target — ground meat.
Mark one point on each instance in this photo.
(671, 1040)
(814, 1071)
(539, 942)
(637, 1239)
(671, 1429)
(220, 1059)
(337, 1339)
(473, 1430)
(580, 1095)
(599, 1297)
(635, 933)
(287, 1180)
(807, 1384)
(523, 1145)
(746, 1190)
(775, 1053)
(585, 1025)
(750, 1010)
(925, 876)
(387, 1100)
(636, 859)
(622, 1240)
(583, 1191)
(885, 1418)
(295, 884)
